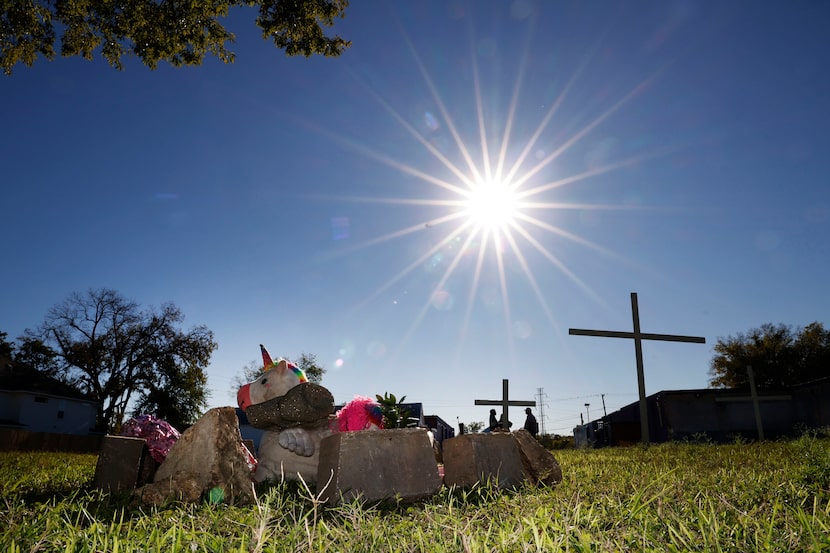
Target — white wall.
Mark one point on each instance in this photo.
(9, 405)
(46, 413)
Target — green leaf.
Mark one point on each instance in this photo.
(181, 33)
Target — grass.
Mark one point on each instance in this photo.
(772, 496)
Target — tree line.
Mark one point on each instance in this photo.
(780, 356)
(118, 355)
(125, 358)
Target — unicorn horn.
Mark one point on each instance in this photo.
(266, 359)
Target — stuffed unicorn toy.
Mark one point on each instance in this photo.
(296, 416)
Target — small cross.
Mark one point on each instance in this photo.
(504, 402)
(638, 351)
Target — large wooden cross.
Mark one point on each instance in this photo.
(638, 350)
(505, 403)
(755, 399)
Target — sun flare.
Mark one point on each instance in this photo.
(493, 217)
(491, 205)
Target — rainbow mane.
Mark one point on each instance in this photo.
(268, 365)
(297, 370)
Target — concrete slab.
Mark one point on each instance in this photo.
(123, 464)
(480, 458)
(376, 465)
(540, 465)
(206, 461)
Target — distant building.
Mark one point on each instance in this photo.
(36, 402)
(415, 412)
(716, 414)
(440, 429)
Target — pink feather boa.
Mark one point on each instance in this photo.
(361, 413)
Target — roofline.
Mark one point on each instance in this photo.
(48, 394)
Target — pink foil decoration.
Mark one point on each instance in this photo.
(159, 435)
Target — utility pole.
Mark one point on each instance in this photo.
(604, 414)
(587, 412)
(539, 393)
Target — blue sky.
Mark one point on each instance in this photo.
(673, 149)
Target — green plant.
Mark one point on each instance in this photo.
(814, 453)
(475, 426)
(555, 441)
(394, 414)
(698, 438)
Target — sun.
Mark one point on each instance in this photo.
(495, 211)
(491, 205)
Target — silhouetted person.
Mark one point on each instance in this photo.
(494, 421)
(530, 423)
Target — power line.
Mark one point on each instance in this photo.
(590, 396)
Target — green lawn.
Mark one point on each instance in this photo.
(674, 497)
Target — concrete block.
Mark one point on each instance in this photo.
(491, 457)
(123, 464)
(540, 465)
(206, 461)
(376, 465)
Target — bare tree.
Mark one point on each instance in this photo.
(115, 353)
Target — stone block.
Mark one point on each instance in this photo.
(305, 405)
(483, 458)
(123, 463)
(207, 462)
(376, 465)
(540, 465)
